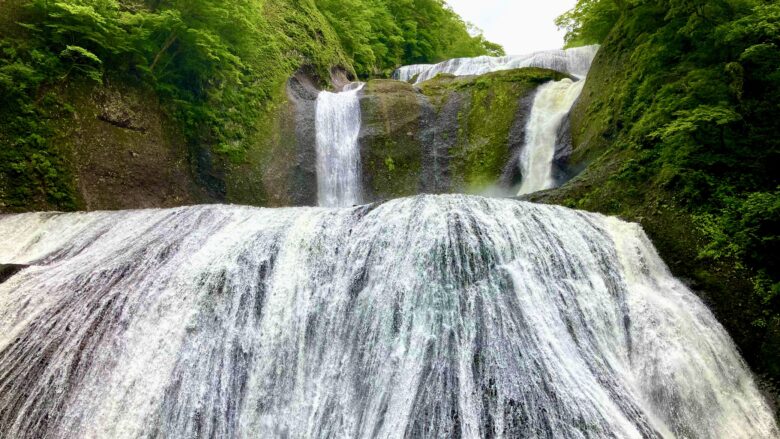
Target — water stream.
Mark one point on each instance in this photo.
(552, 104)
(431, 316)
(575, 61)
(338, 154)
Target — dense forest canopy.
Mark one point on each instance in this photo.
(697, 114)
(217, 64)
(381, 35)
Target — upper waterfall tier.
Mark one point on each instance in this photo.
(338, 154)
(552, 104)
(575, 61)
(432, 316)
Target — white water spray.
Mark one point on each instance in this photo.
(431, 316)
(338, 154)
(551, 105)
(575, 61)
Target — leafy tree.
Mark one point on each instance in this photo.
(381, 35)
(589, 21)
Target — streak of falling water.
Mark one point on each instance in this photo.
(575, 61)
(431, 316)
(551, 105)
(338, 154)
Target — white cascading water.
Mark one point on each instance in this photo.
(575, 61)
(338, 154)
(552, 104)
(431, 316)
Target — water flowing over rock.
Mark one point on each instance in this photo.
(575, 61)
(551, 106)
(338, 154)
(431, 316)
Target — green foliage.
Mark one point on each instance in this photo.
(381, 35)
(31, 168)
(745, 230)
(84, 61)
(588, 22)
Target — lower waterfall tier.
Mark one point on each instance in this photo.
(431, 316)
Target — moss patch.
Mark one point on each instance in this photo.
(481, 151)
(262, 178)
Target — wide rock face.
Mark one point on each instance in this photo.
(125, 152)
(280, 168)
(448, 135)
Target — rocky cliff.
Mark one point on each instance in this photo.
(450, 134)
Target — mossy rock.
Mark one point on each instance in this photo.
(495, 105)
(449, 134)
(390, 142)
(279, 168)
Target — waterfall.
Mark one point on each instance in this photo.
(575, 61)
(338, 154)
(552, 104)
(411, 72)
(430, 316)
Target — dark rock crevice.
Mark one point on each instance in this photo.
(512, 174)
(302, 91)
(124, 122)
(438, 175)
(8, 270)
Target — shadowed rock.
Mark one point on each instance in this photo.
(8, 270)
